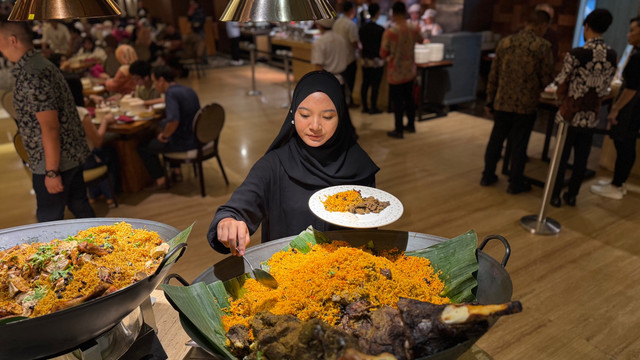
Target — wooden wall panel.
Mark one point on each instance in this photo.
(509, 17)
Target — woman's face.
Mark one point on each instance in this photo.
(316, 119)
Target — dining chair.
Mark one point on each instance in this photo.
(91, 176)
(207, 126)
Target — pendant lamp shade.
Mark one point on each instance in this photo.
(25, 10)
(277, 10)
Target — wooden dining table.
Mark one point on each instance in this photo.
(133, 174)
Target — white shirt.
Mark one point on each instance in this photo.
(58, 39)
(330, 52)
(345, 27)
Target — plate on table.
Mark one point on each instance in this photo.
(359, 221)
(96, 121)
(142, 117)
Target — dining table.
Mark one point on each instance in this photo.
(132, 172)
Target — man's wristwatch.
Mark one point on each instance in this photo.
(52, 173)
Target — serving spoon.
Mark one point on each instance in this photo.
(262, 276)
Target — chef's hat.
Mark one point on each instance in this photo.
(414, 8)
(430, 13)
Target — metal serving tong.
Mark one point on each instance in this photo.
(262, 276)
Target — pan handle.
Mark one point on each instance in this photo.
(507, 247)
(180, 279)
(182, 247)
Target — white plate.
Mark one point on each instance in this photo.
(98, 88)
(96, 121)
(387, 216)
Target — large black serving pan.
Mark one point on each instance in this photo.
(62, 331)
(494, 283)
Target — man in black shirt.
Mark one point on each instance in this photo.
(372, 65)
(625, 121)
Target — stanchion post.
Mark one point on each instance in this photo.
(252, 55)
(541, 224)
(286, 55)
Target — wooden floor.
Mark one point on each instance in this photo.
(579, 289)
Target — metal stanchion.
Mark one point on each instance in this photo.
(287, 67)
(541, 224)
(252, 53)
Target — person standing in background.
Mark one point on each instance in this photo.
(397, 48)
(414, 15)
(48, 122)
(625, 121)
(584, 80)
(348, 29)
(550, 35)
(233, 32)
(56, 37)
(372, 65)
(522, 67)
(430, 27)
(330, 51)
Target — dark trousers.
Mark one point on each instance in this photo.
(51, 206)
(625, 157)
(149, 154)
(580, 140)
(349, 75)
(99, 157)
(235, 48)
(402, 99)
(371, 77)
(517, 128)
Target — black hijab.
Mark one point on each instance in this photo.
(338, 161)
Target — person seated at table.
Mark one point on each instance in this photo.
(88, 51)
(182, 104)
(123, 83)
(56, 38)
(141, 73)
(96, 139)
(314, 149)
(171, 41)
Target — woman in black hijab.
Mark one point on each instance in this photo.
(316, 148)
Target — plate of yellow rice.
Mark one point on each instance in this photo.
(335, 205)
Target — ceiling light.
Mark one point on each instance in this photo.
(62, 9)
(277, 10)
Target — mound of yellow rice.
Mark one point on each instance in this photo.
(314, 285)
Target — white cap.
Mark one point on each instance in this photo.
(414, 8)
(430, 13)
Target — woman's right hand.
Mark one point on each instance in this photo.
(234, 234)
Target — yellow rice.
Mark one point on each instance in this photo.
(310, 283)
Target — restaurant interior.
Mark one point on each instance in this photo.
(578, 287)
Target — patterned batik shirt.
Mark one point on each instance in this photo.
(583, 81)
(397, 47)
(40, 87)
(520, 71)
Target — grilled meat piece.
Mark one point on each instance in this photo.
(100, 289)
(10, 309)
(434, 328)
(160, 250)
(286, 337)
(17, 284)
(239, 340)
(89, 248)
(104, 274)
(58, 263)
(368, 205)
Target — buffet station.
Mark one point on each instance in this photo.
(102, 289)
